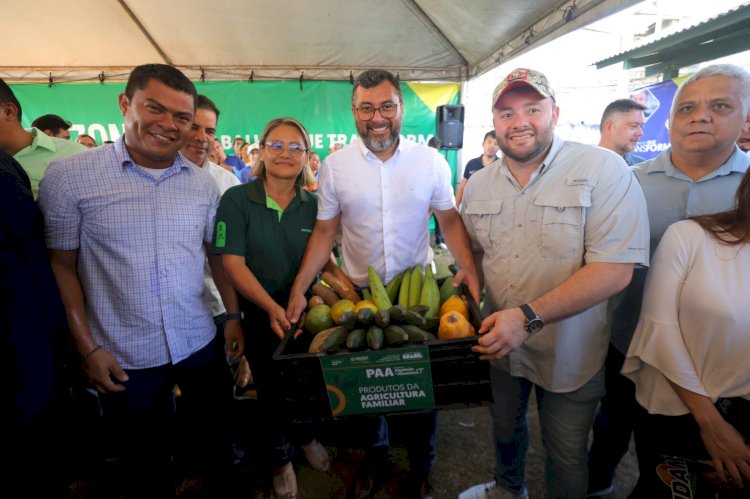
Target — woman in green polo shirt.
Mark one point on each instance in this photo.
(261, 231)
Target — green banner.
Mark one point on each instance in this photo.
(391, 380)
(324, 107)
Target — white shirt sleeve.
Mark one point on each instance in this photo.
(658, 350)
(328, 202)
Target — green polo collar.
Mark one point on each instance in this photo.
(256, 193)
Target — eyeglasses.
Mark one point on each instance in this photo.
(366, 112)
(276, 148)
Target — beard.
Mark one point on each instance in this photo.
(543, 139)
(378, 145)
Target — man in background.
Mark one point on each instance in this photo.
(86, 141)
(53, 125)
(489, 155)
(698, 175)
(744, 141)
(30, 147)
(621, 128)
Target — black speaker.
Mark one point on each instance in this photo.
(450, 126)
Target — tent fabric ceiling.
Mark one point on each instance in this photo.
(441, 40)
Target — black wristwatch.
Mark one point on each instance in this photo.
(534, 323)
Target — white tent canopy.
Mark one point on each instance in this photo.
(452, 40)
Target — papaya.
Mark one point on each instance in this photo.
(454, 325)
(348, 319)
(397, 313)
(321, 343)
(395, 336)
(417, 335)
(455, 304)
(415, 319)
(356, 339)
(365, 317)
(382, 318)
(374, 338)
(419, 309)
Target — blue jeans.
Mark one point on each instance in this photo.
(565, 420)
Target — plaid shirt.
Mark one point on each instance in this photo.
(140, 250)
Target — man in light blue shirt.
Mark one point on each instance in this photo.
(128, 225)
(697, 175)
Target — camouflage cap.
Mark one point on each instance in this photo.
(520, 77)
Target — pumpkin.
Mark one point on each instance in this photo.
(454, 325)
(455, 304)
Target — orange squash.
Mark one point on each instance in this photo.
(454, 325)
(455, 304)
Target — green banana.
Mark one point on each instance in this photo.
(415, 285)
(403, 293)
(379, 294)
(392, 287)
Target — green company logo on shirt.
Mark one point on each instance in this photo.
(221, 234)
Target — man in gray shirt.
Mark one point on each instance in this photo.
(558, 227)
(697, 175)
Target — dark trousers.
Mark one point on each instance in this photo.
(613, 425)
(419, 431)
(276, 432)
(148, 432)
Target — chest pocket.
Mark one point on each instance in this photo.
(562, 215)
(484, 217)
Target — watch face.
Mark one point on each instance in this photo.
(534, 325)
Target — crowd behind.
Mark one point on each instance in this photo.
(137, 275)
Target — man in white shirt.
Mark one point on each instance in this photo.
(381, 189)
(202, 135)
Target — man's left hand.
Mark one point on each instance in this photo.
(501, 333)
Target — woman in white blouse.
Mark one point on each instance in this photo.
(690, 355)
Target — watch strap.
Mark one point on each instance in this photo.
(530, 314)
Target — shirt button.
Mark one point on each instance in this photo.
(520, 225)
(515, 256)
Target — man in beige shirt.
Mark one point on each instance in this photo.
(557, 227)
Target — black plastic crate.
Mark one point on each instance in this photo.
(459, 378)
